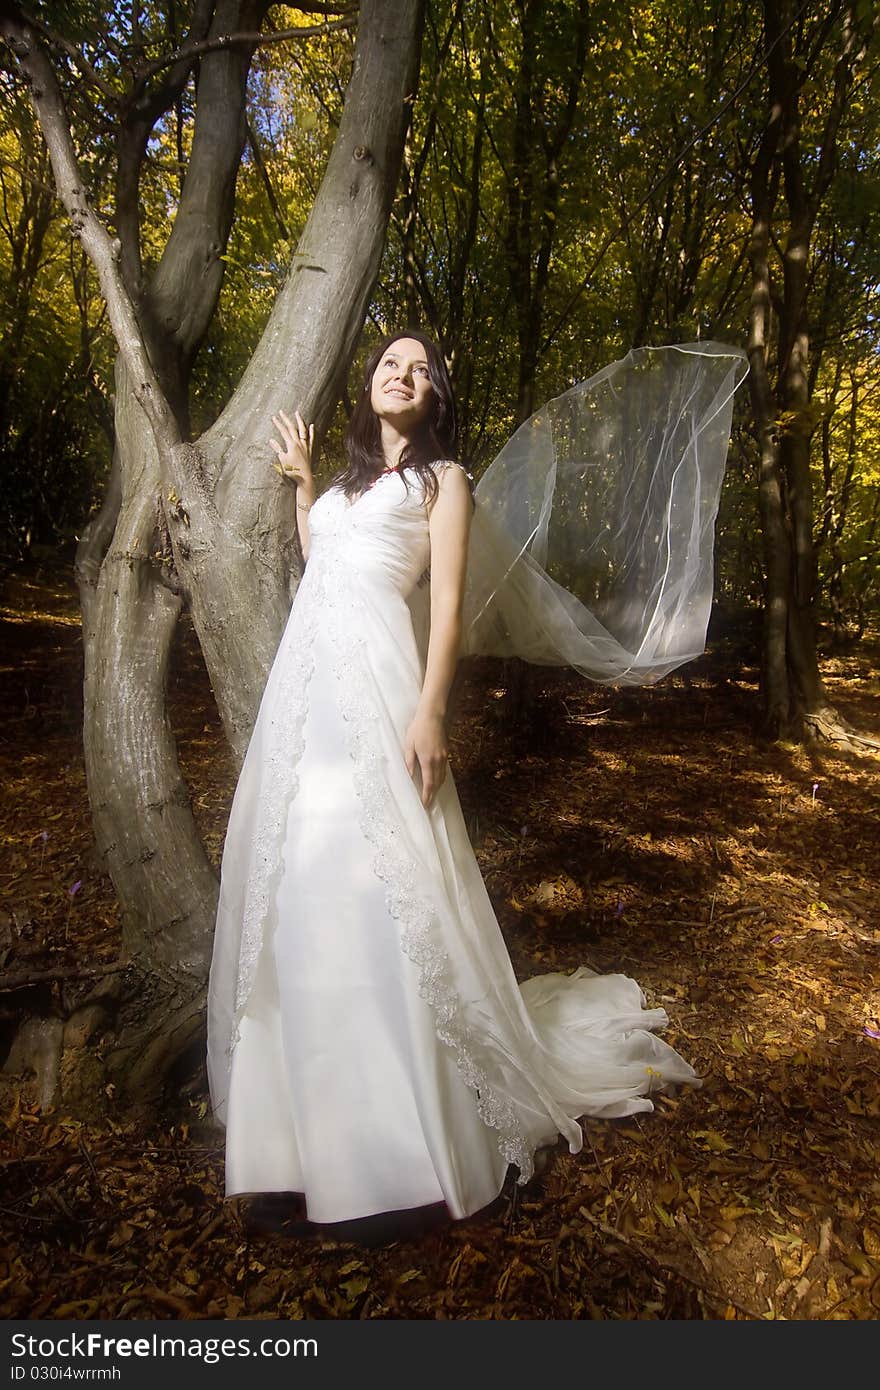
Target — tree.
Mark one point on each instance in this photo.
(202, 522)
(795, 161)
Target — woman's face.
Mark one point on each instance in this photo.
(401, 391)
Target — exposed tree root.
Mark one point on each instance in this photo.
(23, 978)
(118, 1043)
(826, 724)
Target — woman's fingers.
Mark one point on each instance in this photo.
(295, 452)
(293, 433)
(296, 433)
(283, 426)
(296, 430)
(433, 775)
(426, 757)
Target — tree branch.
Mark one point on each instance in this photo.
(256, 40)
(76, 56)
(48, 103)
(853, 50)
(266, 180)
(188, 53)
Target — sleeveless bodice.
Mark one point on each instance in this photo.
(382, 536)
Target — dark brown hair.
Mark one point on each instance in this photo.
(435, 438)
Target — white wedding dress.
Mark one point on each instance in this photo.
(368, 1042)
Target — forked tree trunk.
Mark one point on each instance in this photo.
(207, 524)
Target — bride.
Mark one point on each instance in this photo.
(369, 1046)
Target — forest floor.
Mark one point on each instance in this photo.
(647, 832)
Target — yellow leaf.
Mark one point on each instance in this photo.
(353, 1288)
(857, 1261)
(733, 1213)
(713, 1140)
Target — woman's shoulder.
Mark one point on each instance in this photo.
(440, 465)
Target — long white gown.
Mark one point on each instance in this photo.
(368, 1042)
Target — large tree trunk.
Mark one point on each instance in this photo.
(145, 832)
(209, 524)
(806, 691)
(794, 698)
(771, 498)
(240, 579)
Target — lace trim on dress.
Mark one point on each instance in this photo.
(396, 868)
(328, 599)
(284, 740)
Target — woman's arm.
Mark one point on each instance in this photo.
(449, 521)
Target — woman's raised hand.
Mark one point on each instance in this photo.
(294, 455)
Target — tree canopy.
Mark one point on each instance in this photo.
(575, 182)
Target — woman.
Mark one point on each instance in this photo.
(368, 1043)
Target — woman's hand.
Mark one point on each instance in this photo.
(425, 744)
(295, 453)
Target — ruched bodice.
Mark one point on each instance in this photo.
(381, 535)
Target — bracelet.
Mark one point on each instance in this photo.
(305, 509)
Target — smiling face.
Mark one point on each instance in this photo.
(401, 390)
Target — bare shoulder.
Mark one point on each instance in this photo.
(453, 480)
(442, 466)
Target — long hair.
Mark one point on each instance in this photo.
(434, 438)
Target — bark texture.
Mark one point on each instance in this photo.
(784, 173)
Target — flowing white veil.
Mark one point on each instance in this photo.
(592, 539)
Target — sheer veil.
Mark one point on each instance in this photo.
(592, 539)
